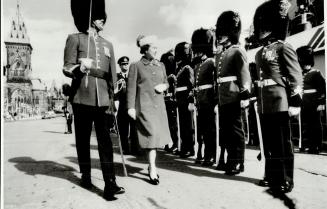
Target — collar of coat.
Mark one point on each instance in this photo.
(150, 62)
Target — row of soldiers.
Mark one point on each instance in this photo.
(209, 90)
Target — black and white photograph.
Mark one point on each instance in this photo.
(163, 104)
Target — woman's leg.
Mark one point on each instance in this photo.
(152, 153)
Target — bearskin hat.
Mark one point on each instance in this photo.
(272, 16)
(183, 52)
(81, 13)
(229, 24)
(202, 40)
(305, 55)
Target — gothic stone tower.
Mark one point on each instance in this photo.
(19, 100)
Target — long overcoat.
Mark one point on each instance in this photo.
(151, 116)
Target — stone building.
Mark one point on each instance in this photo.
(23, 97)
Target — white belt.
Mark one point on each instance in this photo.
(205, 86)
(226, 79)
(266, 82)
(183, 88)
(309, 91)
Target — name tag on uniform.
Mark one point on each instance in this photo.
(106, 51)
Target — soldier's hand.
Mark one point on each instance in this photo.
(160, 87)
(86, 64)
(321, 108)
(216, 109)
(191, 107)
(132, 113)
(245, 103)
(293, 111)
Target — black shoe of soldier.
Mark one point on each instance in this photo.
(233, 170)
(112, 190)
(221, 166)
(263, 183)
(185, 154)
(286, 187)
(86, 181)
(208, 163)
(199, 160)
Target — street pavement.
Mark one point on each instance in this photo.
(40, 171)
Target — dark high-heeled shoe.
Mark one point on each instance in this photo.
(154, 181)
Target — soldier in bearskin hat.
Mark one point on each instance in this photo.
(314, 94)
(89, 60)
(234, 83)
(185, 80)
(279, 94)
(204, 70)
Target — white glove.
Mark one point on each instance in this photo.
(191, 107)
(160, 87)
(116, 106)
(321, 108)
(216, 109)
(245, 103)
(132, 113)
(293, 111)
(86, 64)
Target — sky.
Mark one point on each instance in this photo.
(49, 22)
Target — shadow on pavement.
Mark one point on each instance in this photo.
(49, 168)
(95, 164)
(288, 202)
(55, 132)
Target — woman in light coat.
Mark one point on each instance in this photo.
(147, 81)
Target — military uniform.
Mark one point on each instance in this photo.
(92, 96)
(185, 80)
(126, 124)
(280, 86)
(168, 59)
(204, 96)
(313, 95)
(234, 83)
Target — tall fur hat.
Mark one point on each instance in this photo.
(229, 24)
(272, 16)
(81, 13)
(305, 54)
(181, 53)
(202, 40)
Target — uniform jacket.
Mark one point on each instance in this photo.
(185, 78)
(278, 61)
(313, 80)
(151, 116)
(204, 73)
(121, 95)
(232, 62)
(99, 90)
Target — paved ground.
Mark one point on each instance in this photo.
(41, 171)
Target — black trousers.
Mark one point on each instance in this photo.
(85, 116)
(186, 130)
(126, 126)
(231, 133)
(206, 128)
(278, 148)
(312, 127)
(69, 121)
(172, 121)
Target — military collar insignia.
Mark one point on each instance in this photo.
(148, 62)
